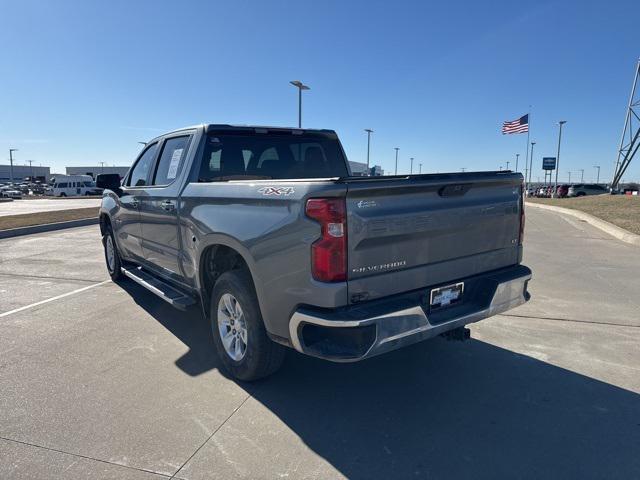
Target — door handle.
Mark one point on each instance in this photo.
(168, 206)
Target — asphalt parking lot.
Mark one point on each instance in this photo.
(99, 380)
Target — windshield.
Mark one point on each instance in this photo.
(231, 156)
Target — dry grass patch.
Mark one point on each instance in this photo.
(621, 210)
(41, 218)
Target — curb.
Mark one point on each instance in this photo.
(47, 227)
(613, 230)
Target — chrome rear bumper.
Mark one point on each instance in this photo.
(393, 329)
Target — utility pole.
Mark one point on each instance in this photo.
(420, 170)
(569, 176)
(369, 132)
(581, 175)
(396, 149)
(517, 157)
(11, 150)
(555, 186)
(411, 171)
(598, 179)
(300, 86)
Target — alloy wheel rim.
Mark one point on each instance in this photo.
(232, 327)
(111, 254)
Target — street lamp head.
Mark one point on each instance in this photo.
(562, 122)
(13, 149)
(368, 130)
(396, 148)
(533, 143)
(299, 84)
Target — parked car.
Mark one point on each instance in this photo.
(267, 230)
(563, 190)
(582, 189)
(9, 191)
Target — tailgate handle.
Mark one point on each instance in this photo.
(455, 190)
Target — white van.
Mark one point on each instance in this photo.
(72, 186)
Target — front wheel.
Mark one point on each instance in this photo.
(239, 334)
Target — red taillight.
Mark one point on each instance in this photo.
(329, 252)
(520, 240)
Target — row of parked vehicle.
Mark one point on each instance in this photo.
(566, 190)
(61, 186)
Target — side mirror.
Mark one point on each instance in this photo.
(108, 181)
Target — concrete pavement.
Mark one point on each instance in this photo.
(110, 382)
(37, 205)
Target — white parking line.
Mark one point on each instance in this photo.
(26, 307)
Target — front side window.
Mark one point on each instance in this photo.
(174, 151)
(229, 156)
(140, 173)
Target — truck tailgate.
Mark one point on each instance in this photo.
(411, 232)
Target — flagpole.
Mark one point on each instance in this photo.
(527, 158)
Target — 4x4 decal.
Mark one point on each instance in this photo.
(277, 191)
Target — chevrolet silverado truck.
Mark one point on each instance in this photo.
(267, 230)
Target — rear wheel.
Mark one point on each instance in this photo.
(63, 194)
(111, 255)
(239, 334)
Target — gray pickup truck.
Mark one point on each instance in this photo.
(268, 231)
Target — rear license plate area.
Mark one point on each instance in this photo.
(443, 297)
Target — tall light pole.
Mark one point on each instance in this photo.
(531, 161)
(462, 169)
(581, 175)
(396, 149)
(300, 86)
(517, 158)
(30, 169)
(102, 166)
(369, 132)
(569, 176)
(508, 162)
(555, 185)
(411, 171)
(420, 170)
(11, 150)
(598, 167)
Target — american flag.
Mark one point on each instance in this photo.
(520, 125)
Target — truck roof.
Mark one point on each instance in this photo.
(208, 127)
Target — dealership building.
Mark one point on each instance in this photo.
(359, 169)
(20, 172)
(97, 170)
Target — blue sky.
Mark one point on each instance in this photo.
(82, 82)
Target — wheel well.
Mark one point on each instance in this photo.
(216, 260)
(104, 222)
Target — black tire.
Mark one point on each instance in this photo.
(580, 194)
(262, 356)
(112, 267)
(62, 194)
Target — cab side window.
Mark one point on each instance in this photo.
(140, 172)
(172, 157)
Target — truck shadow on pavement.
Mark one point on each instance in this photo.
(433, 410)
